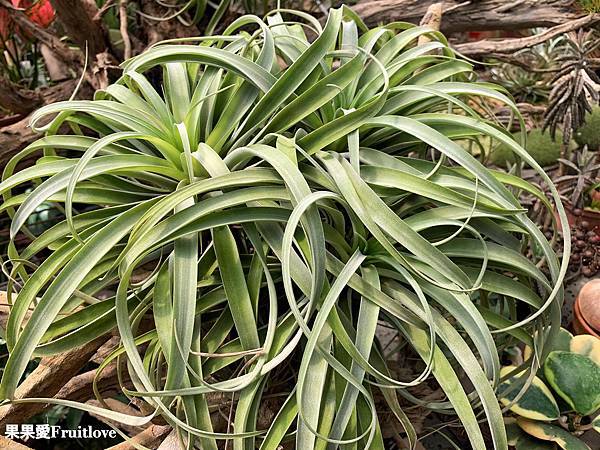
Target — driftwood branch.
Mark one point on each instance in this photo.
(431, 19)
(9, 444)
(46, 380)
(151, 437)
(488, 47)
(18, 135)
(474, 15)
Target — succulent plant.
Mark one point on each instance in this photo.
(582, 177)
(527, 73)
(575, 85)
(550, 408)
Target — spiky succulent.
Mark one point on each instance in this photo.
(583, 174)
(575, 85)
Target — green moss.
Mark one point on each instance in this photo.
(589, 133)
(539, 145)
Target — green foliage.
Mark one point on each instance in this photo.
(270, 184)
(589, 133)
(552, 433)
(540, 146)
(590, 6)
(537, 403)
(528, 79)
(572, 370)
(576, 378)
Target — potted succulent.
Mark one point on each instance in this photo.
(586, 310)
(579, 187)
(560, 403)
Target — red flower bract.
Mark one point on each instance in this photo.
(39, 12)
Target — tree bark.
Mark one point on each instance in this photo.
(78, 19)
(16, 99)
(150, 438)
(18, 135)
(473, 15)
(160, 30)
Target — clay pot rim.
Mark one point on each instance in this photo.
(584, 324)
(568, 205)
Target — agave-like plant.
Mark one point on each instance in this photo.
(262, 209)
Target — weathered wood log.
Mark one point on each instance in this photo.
(46, 380)
(9, 444)
(507, 46)
(475, 15)
(18, 135)
(151, 437)
(80, 387)
(78, 18)
(16, 99)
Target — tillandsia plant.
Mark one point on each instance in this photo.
(251, 220)
(562, 400)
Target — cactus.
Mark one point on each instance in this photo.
(539, 145)
(589, 133)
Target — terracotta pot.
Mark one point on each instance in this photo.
(586, 310)
(588, 215)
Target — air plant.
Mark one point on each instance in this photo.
(270, 184)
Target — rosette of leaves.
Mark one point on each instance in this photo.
(528, 72)
(250, 221)
(580, 179)
(560, 402)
